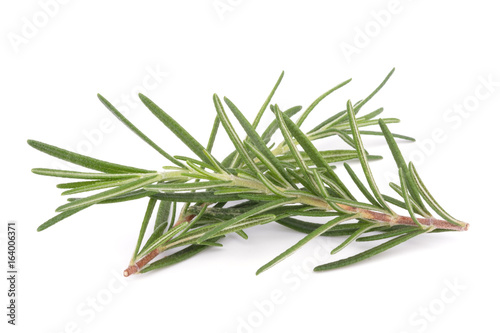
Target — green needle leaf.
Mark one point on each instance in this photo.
(363, 159)
(209, 243)
(317, 232)
(122, 189)
(217, 166)
(173, 216)
(319, 99)
(80, 184)
(357, 204)
(195, 197)
(400, 161)
(260, 196)
(319, 183)
(96, 186)
(60, 217)
(363, 102)
(134, 129)
(270, 186)
(430, 200)
(83, 175)
(172, 187)
(406, 197)
(235, 157)
(199, 173)
(315, 156)
(266, 136)
(145, 222)
(338, 118)
(247, 223)
(361, 186)
(272, 168)
(326, 122)
(164, 238)
(330, 156)
(197, 162)
(85, 161)
(387, 234)
(267, 101)
(134, 195)
(398, 203)
(369, 253)
(370, 115)
(194, 220)
(367, 123)
(163, 213)
(399, 136)
(307, 227)
(293, 149)
(233, 136)
(240, 233)
(193, 235)
(257, 210)
(273, 126)
(259, 143)
(353, 237)
(157, 232)
(213, 134)
(177, 129)
(331, 132)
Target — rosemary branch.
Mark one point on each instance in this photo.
(258, 183)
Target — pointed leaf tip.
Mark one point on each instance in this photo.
(82, 160)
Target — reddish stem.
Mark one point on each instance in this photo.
(405, 220)
(364, 213)
(132, 269)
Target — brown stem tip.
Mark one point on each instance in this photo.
(132, 269)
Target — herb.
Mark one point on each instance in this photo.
(256, 184)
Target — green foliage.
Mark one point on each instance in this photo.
(259, 182)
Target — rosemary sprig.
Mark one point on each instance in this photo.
(256, 184)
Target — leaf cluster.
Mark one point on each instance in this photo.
(197, 200)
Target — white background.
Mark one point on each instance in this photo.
(443, 53)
